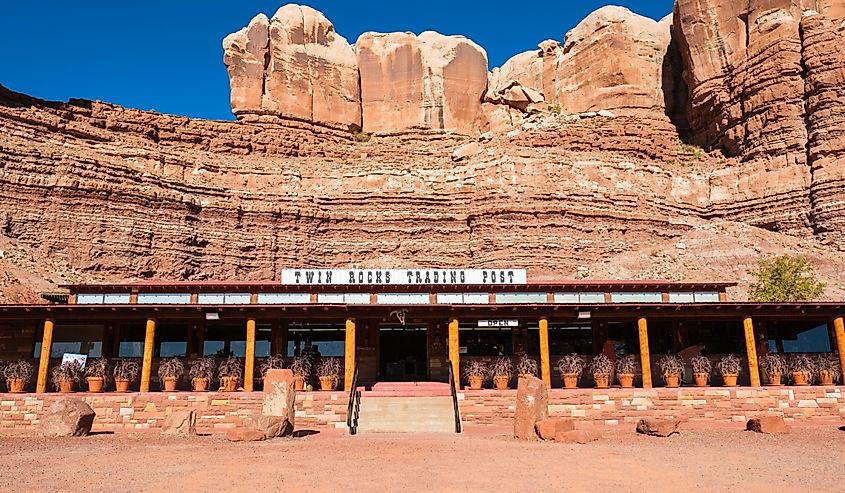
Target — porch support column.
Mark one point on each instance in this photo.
(839, 329)
(545, 367)
(645, 356)
(454, 350)
(751, 348)
(44, 360)
(149, 343)
(349, 352)
(249, 356)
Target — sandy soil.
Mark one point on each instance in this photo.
(808, 459)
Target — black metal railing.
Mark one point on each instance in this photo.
(453, 386)
(354, 406)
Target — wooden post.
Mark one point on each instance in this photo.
(149, 344)
(44, 361)
(455, 350)
(349, 351)
(751, 348)
(645, 356)
(545, 369)
(839, 329)
(249, 356)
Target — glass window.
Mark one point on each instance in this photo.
(89, 299)
(357, 298)
(566, 298)
(681, 298)
(331, 298)
(76, 339)
(707, 297)
(171, 341)
(284, 298)
(486, 342)
(402, 298)
(586, 297)
(450, 298)
(798, 336)
(463, 298)
(563, 339)
(517, 298)
(224, 298)
(476, 298)
(164, 298)
(325, 340)
(116, 299)
(131, 342)
(636, 297)
(344, 298)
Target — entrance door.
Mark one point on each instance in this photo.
(403, 354)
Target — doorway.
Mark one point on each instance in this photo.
(403, 353)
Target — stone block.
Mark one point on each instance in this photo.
(767, 424)
(244, 435)
(532, 405)
(658, 427)
(180, 423)
(272, 426)
(547, 429)
(577, 436)
(68, 417)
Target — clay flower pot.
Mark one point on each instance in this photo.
(298, 383)
(602, 381)
(672, 381)
(475, 382)
(327, 383)
(800, 378)
(228, 384)
(95, 384)
(700, 379)
(170, 384)
(626, 380)
(501, 382)
(121, 385)
(199, 384)
(570, 381)
(729, 379)
(16, 385)
(825, 377)
(774, 378)
(65, 386)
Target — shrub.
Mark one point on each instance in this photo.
(502, 367)
(729, 365)
(601, 365)
(329, 368)
(527, 366)
(126, 369)
(171, 368)
(97, 368)
(627, 365)
(801, 363)
(785, 278)
(202, 368)
(476, 369)
(230, 368)
(18, 370)
(828, 363)
(671, 365)
(361, 137)
(773, 364)
(301, 367)
(275, 362)
(701, 364)
(69, 371)
(555, 108)
(571, 364)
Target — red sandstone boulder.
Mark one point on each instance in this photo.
(532, 405)
(768, 424)
(577, 436)
(245, 435)
(272, 426)
(67, 418)
(658, 427)
(279, 400)
(180, 423)
(547, 429)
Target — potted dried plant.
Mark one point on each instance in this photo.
(802, 369)
(229, 372)
(201, 373)
(571, 366)
(828, 369)
(17, 375)
(601, 368)
(66, 375)
(274, 362)
(626, 367)
(729, 367)
(501, 370)
(701, 368)
(125, 372)
(301, 368)
(170, 371)
(527, 366)
(328, 371)
(774, 366)
(671, 368)
(96, 372)
(476, 372)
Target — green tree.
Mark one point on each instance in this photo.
(785, 278)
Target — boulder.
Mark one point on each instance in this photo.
(466, 151)
(532, 405)
(768, 424)
(245, 435)
(577, 436)
(658, 427)
(180, 423)
(279, 399)
(272, 426)
(67, 418)
(547, 429)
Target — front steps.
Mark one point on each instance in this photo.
(414, 407)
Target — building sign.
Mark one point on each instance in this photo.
(403, 277)
(498, 323)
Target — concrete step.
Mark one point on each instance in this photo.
(429, 414)
(410, 389)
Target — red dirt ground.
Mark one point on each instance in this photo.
(808, 459)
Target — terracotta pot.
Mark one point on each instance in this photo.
(121, 385)
(672, 381)
(729, 379)
(700, 379)
(800, 378)
(327, 383)
(298, 383)
(16, 385)
(95, 384)
(228, 384)
(475, 382)
(170, 384)
(774, 378)
(501, 382)
(65, 386)
(626, 380)
(825, 377)
(570, 381)
(602, 381)
(200, 384)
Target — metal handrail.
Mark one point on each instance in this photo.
(454, 390)
(354, 406)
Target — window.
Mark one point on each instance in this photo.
(707, 297)
(171, 341)
(463, 298)
(77, 339)
(284, 298)
(521, 298)
(565, 338)
(164, 298)
(100, 299)
(575, 298)
(131, 341)
(402, 298)
(636, 297)
(224, 298)
(681, 297)
(486, 342)
(344, 298)
(695, 297)
(798, 336)
(325, 340)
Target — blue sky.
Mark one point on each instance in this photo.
(167, 55)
